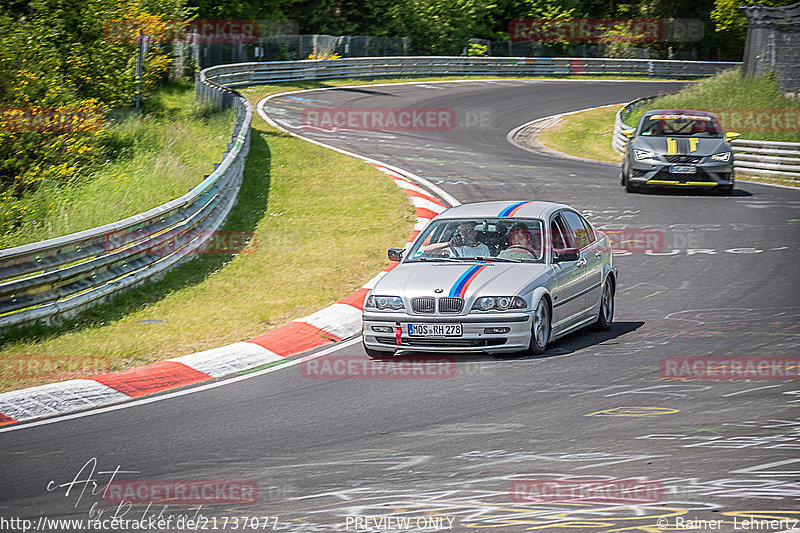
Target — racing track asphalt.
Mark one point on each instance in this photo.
(323, 449)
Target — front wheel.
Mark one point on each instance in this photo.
(540, 331)
(606, 313)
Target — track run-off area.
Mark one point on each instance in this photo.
(464, 450)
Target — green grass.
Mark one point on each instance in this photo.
(323, 222)
(586, 134)
(730, 92)
(151, 159)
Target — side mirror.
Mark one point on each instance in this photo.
(732, 135)
(395, 254)
(566, 254)
(629, 132)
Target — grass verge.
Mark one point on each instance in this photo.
(174, 137)
(322, 221)
(586, 134)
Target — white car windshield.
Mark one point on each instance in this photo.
(515, 240)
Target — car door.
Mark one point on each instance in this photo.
(568, 301)
(592, 254)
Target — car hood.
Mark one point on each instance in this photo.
(705, 145)
(467, 280)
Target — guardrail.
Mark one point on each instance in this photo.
(767, 158)
(403, 66)
(61, 276)
(751, 157)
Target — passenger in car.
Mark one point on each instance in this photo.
(522, 244)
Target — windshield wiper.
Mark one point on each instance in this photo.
(501, 259)
(434, 259)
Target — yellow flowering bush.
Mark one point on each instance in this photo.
(63, 66)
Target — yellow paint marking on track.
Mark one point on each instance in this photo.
(691, 183)
(649, 295)
(46, 454)
(635, 411)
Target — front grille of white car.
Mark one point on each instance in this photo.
(423, 305)
(427, 305)
(451, 305)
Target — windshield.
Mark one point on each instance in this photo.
(488, 239)
(681, 125)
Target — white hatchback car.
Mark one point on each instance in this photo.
(497, 277)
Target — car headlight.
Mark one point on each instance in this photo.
(643, 154)
(722, 156)
(384, 303)
(499, 303)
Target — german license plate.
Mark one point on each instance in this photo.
(434, 330)
(685, 169)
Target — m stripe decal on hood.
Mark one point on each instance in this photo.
(513, 208)
(460, 287)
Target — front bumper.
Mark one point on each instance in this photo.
(657, 173)
(474, 337)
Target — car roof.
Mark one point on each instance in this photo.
(518, 208)
(677, 112)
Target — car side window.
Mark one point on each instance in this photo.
(561, 237)
(589, 230)
(578, 228)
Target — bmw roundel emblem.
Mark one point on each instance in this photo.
(438, 291)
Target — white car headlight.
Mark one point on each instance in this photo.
(499, 303)
(643, 154)
(722, 156)
(384, 303)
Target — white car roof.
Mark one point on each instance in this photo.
(519, 208)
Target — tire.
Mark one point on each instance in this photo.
(630, 187)
(540, 330)
(375, 354)
(605, 315)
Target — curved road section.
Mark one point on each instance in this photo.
(626, 430)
